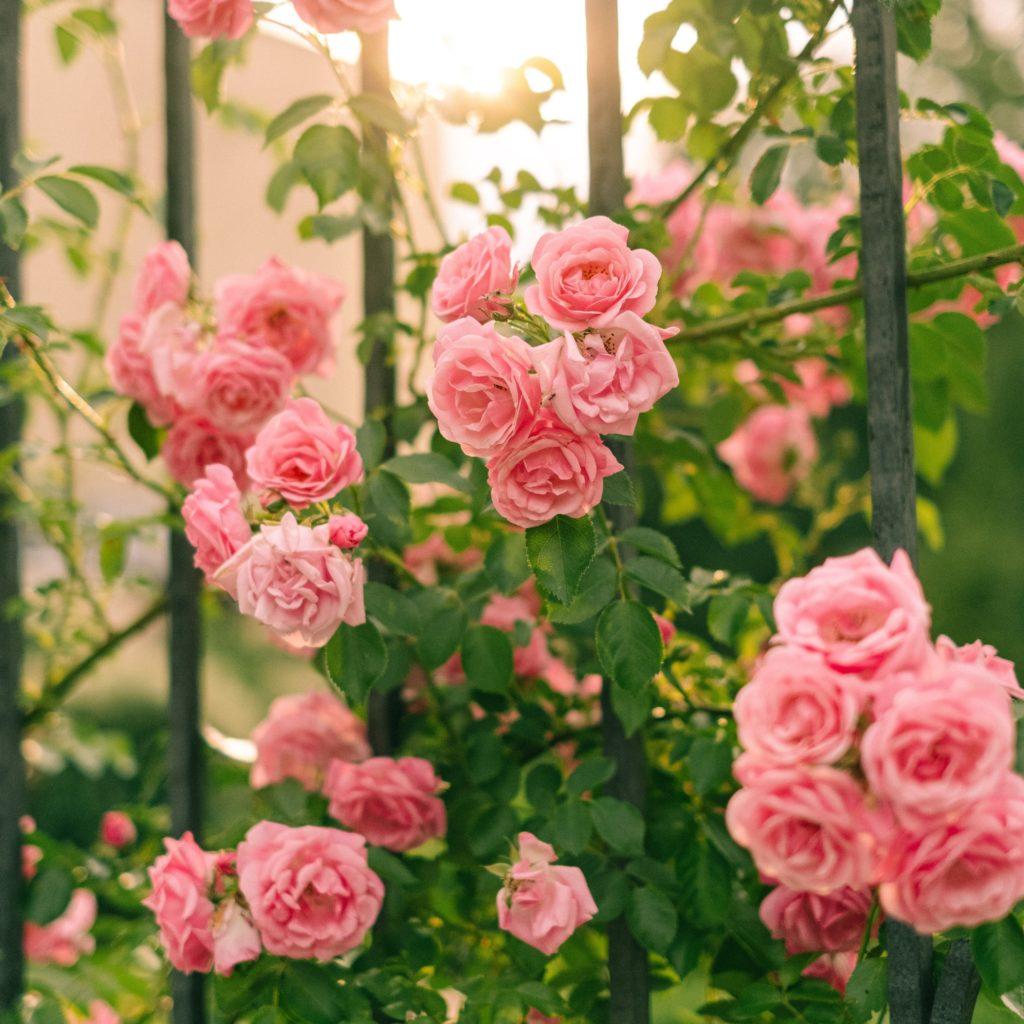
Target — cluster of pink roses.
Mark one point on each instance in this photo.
(536, 414)
(875, 758)
(231, 19)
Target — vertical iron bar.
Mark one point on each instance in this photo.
(629, 981)
(185, 747)
(12, 767)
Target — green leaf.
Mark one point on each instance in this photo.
(998, 949)
(506, 562)
(596, 590)
(313, 996)
(464, 192)
(328, 157)
(355, 658)
(618, 490)
(283, 180)
(1002, 197)
(72, 197)
(542, 785)
(386, 510)
(487, 659)
(572, 827)
(709, 763)
(49, 895)
(652, 918)
(142, 432)
(866, 990)
(294, 114)
(113, 551)
(208, 70)
(394, 610)
(13, 222)
(711, 70)
(661, 578)
(669, 117)
(559, 553)
(68, 44)
(651, 542)
(619, 824)
(629, 644)
(727, 615)
(329, 227)
(767, 173)
(113, 179)
(380, 111)
(589, 775)
(427, 468)
(831, 149)
(443, 622)
(631, 707)
(371, 440)
(96, 19)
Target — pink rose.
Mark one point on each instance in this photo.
(1010, 153)
(235, 938)
(808, 922)
(301, 456)
(542, 903)
(865, 617)
(423, 559)
(796, 710)
(984, 656)
(600, 382)
(963, 871)
(310, 890)
(393, 803)
(131, 372)
(504, 612)
(665, 628)
(30, 858)
(834, 968)
(212, 19)
(940, 745)
(348, 531)
(117, 829)
(293, 579)
(820, 390)
(771, 451)
(587, 275)
(214, 522)
(346, 15)
(477, 279)
(301, 735)
(165, 276)
(171, 342)
(101, 1012)
(66, 938)
(180, 900)
(238, 387)
(483, 392)
(809, 828)
(549, 471)
(193, 443)
(284, 308)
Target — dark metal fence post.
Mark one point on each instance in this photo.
(629, 980)
(12, 768)
(185, 747)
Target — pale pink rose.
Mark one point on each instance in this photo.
(301, 735)
(477, 279)
(809, 828)
(164, 277)
(171, 341)
(771, 451)
(237, 386)
(30, 858)
(393, 802)
(101, 1012)
(941, 745)
(865, 617)
(131, 372)
(666, 629)
(348, 531)
(284, 308)
(214, 522)
(67, 937)
(483, 392)
(310, 890)
(834, 968)
(831, 922)
(796, 710)
(601, 382)
(235, 938)
(424, 559)
(182, 880)
(820, 389)
(302, 457)
(549, 471)
(293, 579)
(963, 871)
(542, 903)
(587, 275)
(984, 656)
(503, 612)
(193, 443)
(212, 19)
(346, 15)
(117, 829)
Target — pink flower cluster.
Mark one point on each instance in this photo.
(231, 19)
(536, 414)
(873, 758)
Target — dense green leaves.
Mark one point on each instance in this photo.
(559, 553)
(652, 918)
(998, 950)
(72, 197)
(487, 658)
(629, 644)
(355, 658)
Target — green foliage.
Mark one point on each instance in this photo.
(559, 553)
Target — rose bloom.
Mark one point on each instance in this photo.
(164, 277)
(601, 382)
(808, 922)
(182, 879)
(547, 472)
(293, 579)
(346, 15)
(310, 890)
(771, 451)
(940, 745)
(835, 969)
(301, 456)
(865, 617)
(796, 710)
(393, 802)
(542, 903)
(301, 735)
(964, 871)
(193, 443)
(819, 390)
(476, 279)
(171, 342)
(809, 828)
(212, 19)
(131, 372)
(117, 829)
(284, 308)
(424, 559)
(984, 656)
(235, 938)
(483, 392)
(67, 937)
(348, 531)
(214, 522)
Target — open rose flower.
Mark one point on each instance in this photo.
(214, 522)
(392, 802)
(66, 938)
(476, 279)
(131, 372)
(984, 656)
(300, 737)
(310, 890)
(549, 471)
(819, 389)
(171, 341)
(346, 15)
(587, 275)
(164, 277)
(193, 443)
(483, 391)
(212, 19)
(810, 922)
(543, 903)
(235, 938)
(601, 382)
(293, 579)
